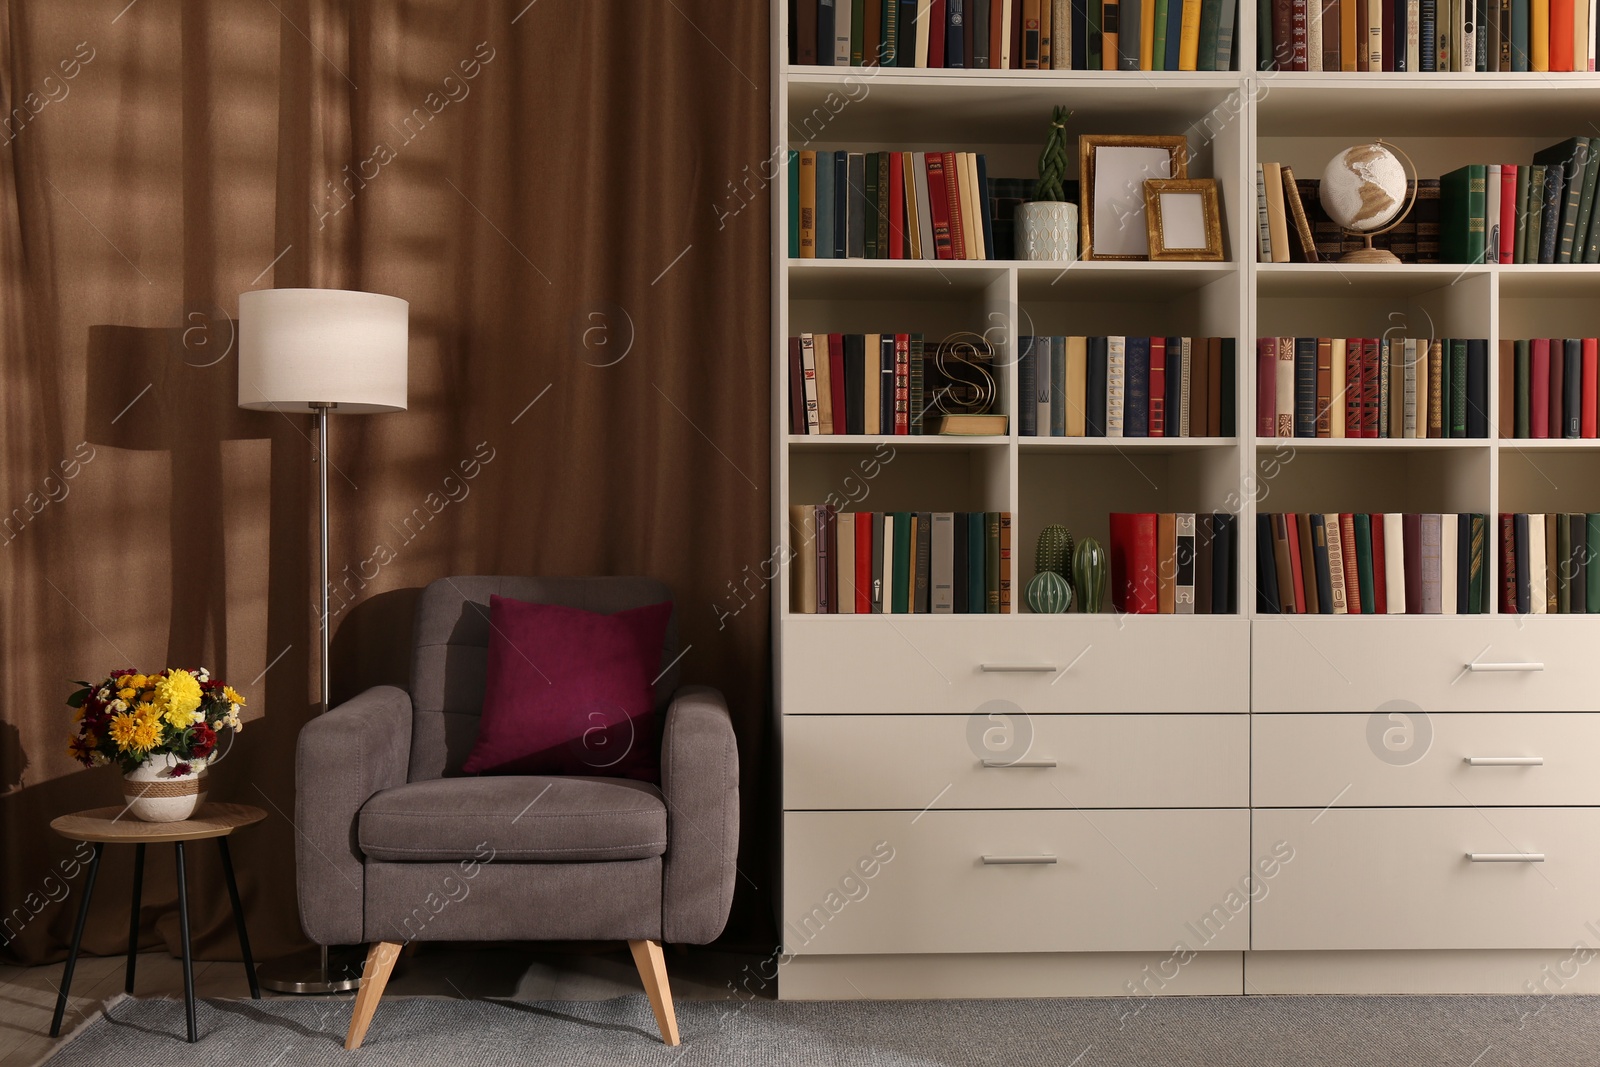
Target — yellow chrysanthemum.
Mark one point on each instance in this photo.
(179, 692)
(124, 725)
(146, 734)
(124, 679)
(181, 720)
(127, 692)
(233, 695)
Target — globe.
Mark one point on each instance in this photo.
(1364, 188)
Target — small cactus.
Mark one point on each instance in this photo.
(1049, 594)
(1054, 553)
(1091, 574)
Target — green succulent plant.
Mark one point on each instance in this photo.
(1053, 160)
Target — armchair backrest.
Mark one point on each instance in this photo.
(451, 648)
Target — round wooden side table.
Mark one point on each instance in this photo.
(103, 826)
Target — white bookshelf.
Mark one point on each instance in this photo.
(877, 695)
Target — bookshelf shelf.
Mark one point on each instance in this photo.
(988, 108)
(1511, 444)
(1363, 445)
(877, 280)
(900, 679)
(1436, 105)
(1093, 279)
(871, 442)
(1548, 281)
(1362, 280)
(1145, 446)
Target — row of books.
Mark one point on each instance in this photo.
(1538, 212)
(1372, 387)
(1293, 227)
(889, 383)
(1173, 563)
(1548, 564)
(1426, 36)
(1015, 34)
(1126, 387)
(1552, 387)
(898, 205)
(1359, 564)
(899, 562)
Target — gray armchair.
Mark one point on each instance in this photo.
(397, 846)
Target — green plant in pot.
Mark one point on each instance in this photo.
(1050, 590)
(1047, 226)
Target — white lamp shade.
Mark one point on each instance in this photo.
(305, 347)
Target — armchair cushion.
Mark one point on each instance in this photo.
(568, 691)
(515, 819)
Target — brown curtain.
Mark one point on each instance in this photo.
(547, 183)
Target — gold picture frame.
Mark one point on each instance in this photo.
(1123, 170)
(1183, 220)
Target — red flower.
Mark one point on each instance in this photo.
(205, 739)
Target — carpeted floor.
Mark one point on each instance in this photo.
(1469, 1031)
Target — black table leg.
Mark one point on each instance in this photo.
(183, 929)
(133, 923)
(77, 941)
(238, 918)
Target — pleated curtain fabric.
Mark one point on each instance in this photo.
(552, 187)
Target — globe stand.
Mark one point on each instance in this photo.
(1368, 254)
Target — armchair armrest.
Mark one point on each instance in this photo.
(700, 780)
(343, 757)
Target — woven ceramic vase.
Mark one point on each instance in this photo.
(155, 794)
(1047, 231)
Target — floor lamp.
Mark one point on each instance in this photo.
(318, 351)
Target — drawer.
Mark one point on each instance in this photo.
(1307, 760)
(906, 664)
(1400, 878)
(1329, 663)
(852, 762)
(1123, 881)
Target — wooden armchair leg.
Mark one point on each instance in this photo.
(653, 971)
(380, 962)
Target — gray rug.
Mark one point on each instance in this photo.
(1469, 1031)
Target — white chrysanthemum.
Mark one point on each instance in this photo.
(203, 675)
(118, 705)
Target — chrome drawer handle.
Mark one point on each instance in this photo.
(1010, 860)
(1502, 668)
(1506, 857)
(1504, 761)
(1019, 763)
(1018, 668)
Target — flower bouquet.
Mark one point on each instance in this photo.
(161, 728)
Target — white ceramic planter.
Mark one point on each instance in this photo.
(1047, 231)
(154, 794)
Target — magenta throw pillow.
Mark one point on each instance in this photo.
(570, 691)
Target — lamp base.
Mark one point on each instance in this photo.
(1369, 255)
(317, 970)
